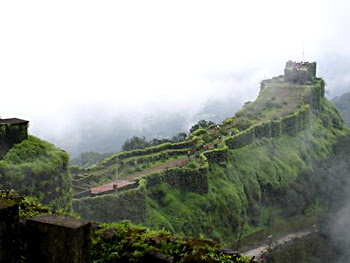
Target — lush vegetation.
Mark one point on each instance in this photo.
(257, 173)
(201, 124)
(261, 187)
(343, 105)
(312, 248)
(140, 142)
(131, 163)
(35, 167)
(126, 242)
(260, 161)
(327, 187)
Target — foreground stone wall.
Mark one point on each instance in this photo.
(8, 230)
(46, 238)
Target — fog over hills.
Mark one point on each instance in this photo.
(88, 76)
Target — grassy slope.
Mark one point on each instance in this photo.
(245, 193)
(126, 242)
(38, 168)
(239, 189)
(276, 99)
(343, 105)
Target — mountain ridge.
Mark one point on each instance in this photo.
(241, 176)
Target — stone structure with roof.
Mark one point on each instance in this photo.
(12, 131)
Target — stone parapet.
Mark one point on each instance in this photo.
(9, 222)
(58, 239)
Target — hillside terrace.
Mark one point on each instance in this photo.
(277, 99)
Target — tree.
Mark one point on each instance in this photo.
(182, 136)
(135, 143)
(155, 142)
(201, 124)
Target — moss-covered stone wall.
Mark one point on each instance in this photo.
(11, 135)
(150, 150)
(131, 204)
(126, 205)
(291, 125)
(216, 155)
(241, 139)
(186, 179)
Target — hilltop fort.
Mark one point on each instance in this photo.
(300, 72)
(222, 179)
(285, 108)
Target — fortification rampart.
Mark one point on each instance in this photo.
(44, 238)
(131, 204)
(151, 150)
(291, 125)
(126, 205)
(197, 179)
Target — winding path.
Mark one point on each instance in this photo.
(281, 240)
(130, 179)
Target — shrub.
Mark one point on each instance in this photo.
(263, 130)
(201, 124)
(35, 167)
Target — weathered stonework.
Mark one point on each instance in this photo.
(8, 230)
(58, 239)
(299, 72)
(12, 131)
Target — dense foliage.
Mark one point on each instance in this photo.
(126, 242)
(135, 143)
(343, 105)
(328, 186)
(140, 142)
(35, 167)
(260, 172)
(201, 124)
(243, 192)
(312, 248)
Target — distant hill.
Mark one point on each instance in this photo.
(343, 105)
(253, 175)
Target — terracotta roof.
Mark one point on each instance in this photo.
(13, 121)
(109, 186)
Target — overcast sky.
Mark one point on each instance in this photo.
(63, 61)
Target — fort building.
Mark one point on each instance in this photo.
(12, 131)
(299, 72)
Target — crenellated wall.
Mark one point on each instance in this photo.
(291, 125)
(131, 204)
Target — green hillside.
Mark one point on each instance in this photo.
(343, 105)
(249, 177)
(120, 242)
(35, 167)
